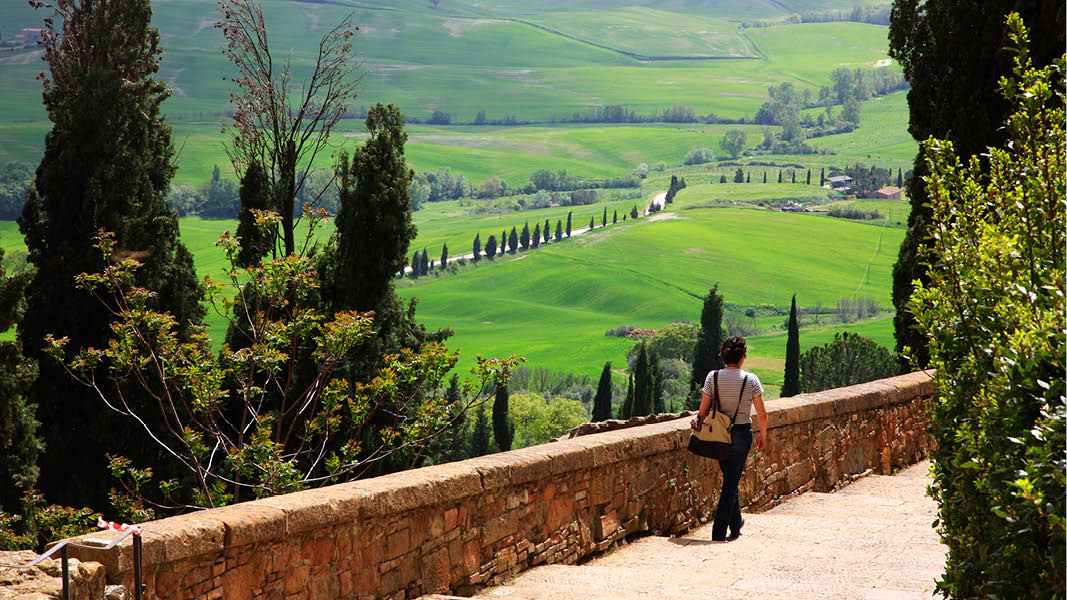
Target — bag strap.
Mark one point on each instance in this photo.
(715, 388)
(740, 395)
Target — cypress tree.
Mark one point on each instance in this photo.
(634, 213)
(536, 239)
(477, 246)
(642, 384)
(627, 409)
(546, 231)
(559, 230)
(657, 383)
(20, 444)
(779, 176)
(765, 176)
(524, 237)
(748, 178)
(614, 217)
(722, 179)
(739, 175)
(900, 178)
(503, 428)
(809, 177)
(424, 263)
(490, 248)
(709, 341)
(107, 164)
(794, 176)
(503, 242)
(822, 177)
(590, 223)
(480, 434)
(604, 218)
(415, 260)
(602, 400)
(444, 256)
(255, 195)
(513, 241)
(569, 224)
(791, 382)
(373, 226)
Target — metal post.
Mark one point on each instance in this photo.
(64, 558)
(138, 588)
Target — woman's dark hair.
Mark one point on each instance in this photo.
(733, 349)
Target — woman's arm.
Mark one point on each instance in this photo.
(705, 406)
(761, 416)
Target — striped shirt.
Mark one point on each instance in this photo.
(729, 388)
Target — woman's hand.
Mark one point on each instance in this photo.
(760, 443)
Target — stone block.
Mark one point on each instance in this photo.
(526, 465)
(567, 456)
(560, 511)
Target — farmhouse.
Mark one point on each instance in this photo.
(888, 192)
(29, 34)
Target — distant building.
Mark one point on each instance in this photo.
(889, 192)
(29, 35)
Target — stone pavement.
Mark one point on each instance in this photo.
(870, 540)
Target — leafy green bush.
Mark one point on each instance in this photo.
(848, 360)
(698, 156)
(993, 314)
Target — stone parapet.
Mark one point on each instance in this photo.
(456, 527)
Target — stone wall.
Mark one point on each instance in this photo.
(457, 527)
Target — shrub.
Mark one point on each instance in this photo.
(848, 360)
(993, 316)
(698, 156)
(620, 331)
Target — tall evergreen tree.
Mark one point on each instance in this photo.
(20, 444)
(602, 400)
(513, 241)
(535, 239)
(722, 179)
(709, 341)
(822, 177)
(627, 409)
(444, 256)
(480, 434)
(373, 226)
(657, 383)
(503, 242)
(794, 176)
(642, 383)
(255, 195)
(569, 223)
(546, 231)
(477, 247)
(900, 178)
(590, 223)
(559, 230)
(633, 213)
(764, 176)
(748, 178)
(416, 258)
(954, 96)
(615, 217)
(604, 218)
(424, 263)
(809, 177)
(108, 161)
(503, 427)
(779, 176)
(791, 382)
(524, 237)
(490, 248)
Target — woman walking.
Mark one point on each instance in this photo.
(738, 391)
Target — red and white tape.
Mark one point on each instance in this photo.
(102, 524)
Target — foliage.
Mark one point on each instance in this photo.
(849, 359)
(854, 211)
(733, 142)
(698, 156)
(107, 163)
(674, 340)
(503, 425)
(952, 55)
(271, 125)
(255, 196)
(709, 341)
(537, 421)
(993, 314)
(231, 436)
(602, 401)
(480, 434)
(20, 444)
(626, 410)
(791, 380)
(14, 177)
(643, 383)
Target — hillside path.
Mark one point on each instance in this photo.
(871, 540)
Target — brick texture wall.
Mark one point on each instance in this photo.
(454, 528)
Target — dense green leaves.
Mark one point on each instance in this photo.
(791, 381)
(993, 314)
(848, 360)
(602, 401)
(706, 351)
